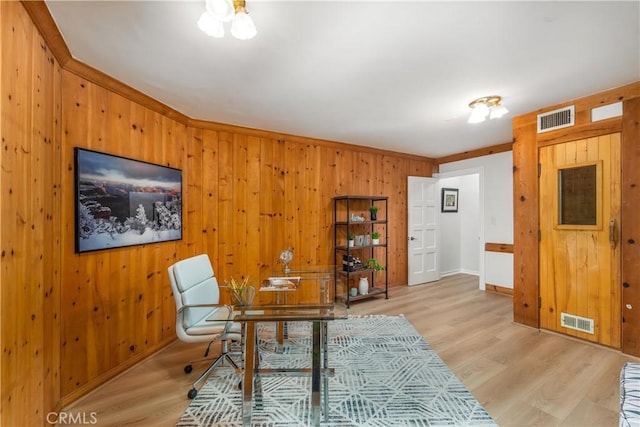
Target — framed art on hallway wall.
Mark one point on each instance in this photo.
(449, 200)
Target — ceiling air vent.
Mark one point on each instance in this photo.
(556, 119)
(578, 323)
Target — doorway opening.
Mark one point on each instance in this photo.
(462, 233)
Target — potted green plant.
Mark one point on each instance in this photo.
(351, 238)
(374, 265)
(373, 210)
(375, 237)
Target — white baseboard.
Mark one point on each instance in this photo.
(458, 271)
(449, 273)
(471, 272)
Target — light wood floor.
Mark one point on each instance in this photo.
(522, 376)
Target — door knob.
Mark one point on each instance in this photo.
(412, 238)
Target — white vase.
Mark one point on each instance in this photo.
(376, 241)
(351, 243)
(363, 286)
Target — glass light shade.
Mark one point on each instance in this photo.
(222, 10)
(210, 26)
(242, 26)
(479, 113)
(498, 111)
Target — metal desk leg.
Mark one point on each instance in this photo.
(325, 365)
(249, 367)
(315, 375)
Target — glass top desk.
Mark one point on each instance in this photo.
(312, 284)
(315, 281)
(318, 315)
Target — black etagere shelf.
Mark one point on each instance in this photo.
(352, 215)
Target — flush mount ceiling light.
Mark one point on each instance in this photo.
(217, 12)
(486, 106)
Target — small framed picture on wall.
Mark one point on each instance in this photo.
(449, 200)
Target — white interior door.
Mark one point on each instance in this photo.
(423, 262)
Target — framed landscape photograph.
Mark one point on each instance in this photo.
(124, 202)
(449, 200)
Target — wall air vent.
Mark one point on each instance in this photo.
(556, 119)
(578, 323)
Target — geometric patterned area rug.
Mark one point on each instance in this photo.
(385, 375)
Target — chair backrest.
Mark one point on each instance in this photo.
(193, 282)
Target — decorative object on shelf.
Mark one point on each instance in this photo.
(351, 239)
(363, 286)
(281, 283)
(373, 210)
(354, 292)
(351, 263)
(449, 200)
(217, 12)
(374, 265)
(375, 237)
(360, 240)
(286, 256)
(242, 293)
(486, 106)
(347, 262)
(356, 218)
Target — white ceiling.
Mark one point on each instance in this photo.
(385, 74)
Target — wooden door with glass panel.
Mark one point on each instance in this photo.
(579, 229)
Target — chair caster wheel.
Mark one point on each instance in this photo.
(192, 393)
(188, 369)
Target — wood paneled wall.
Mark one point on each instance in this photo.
(116, 304)
(247, 195)
(526, 200)
(30, 222)
(72, 321)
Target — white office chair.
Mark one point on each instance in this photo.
(200, 317)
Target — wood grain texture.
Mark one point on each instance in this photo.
(525, 225)
(506, 248)
(520, 375)
(498, 289)
(30, 226)
(630, 233)
(579, 271)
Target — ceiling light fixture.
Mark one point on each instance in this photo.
(486, 106)
(219, 11)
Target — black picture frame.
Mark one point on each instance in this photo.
(449, 201)
(124, 202)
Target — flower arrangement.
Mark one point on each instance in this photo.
(242, 292)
